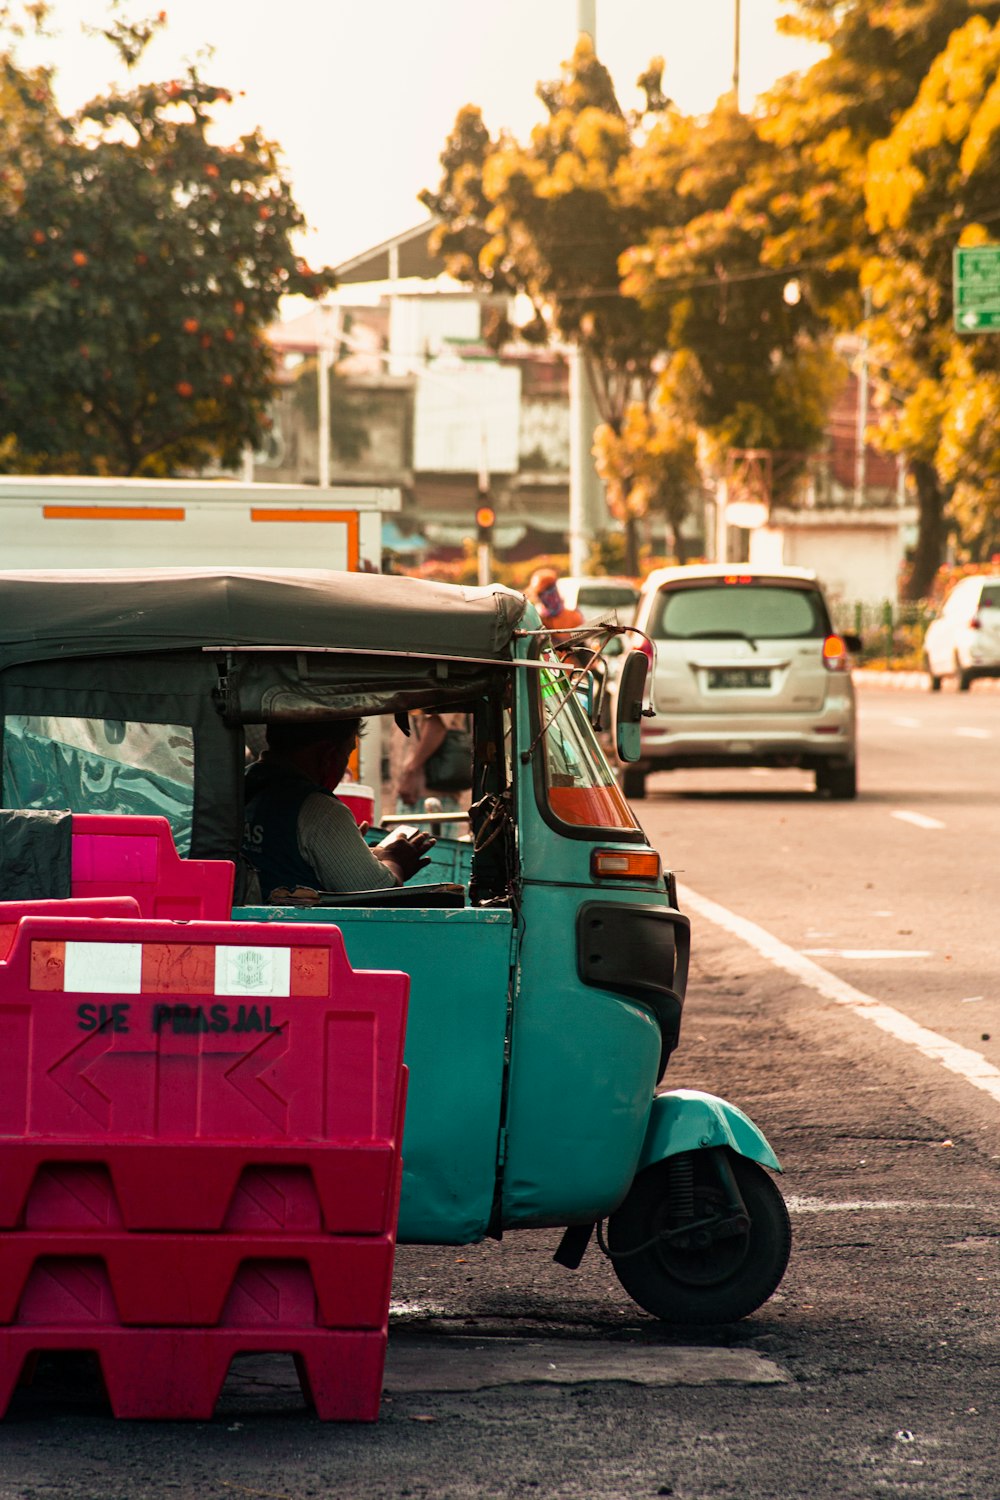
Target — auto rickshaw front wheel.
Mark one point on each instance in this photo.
(701, 1238)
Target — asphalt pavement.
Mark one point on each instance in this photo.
(874, 1370)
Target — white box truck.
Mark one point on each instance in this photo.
(69, 522)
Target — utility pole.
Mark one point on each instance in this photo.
(736, 52)
(860, 449)
(584, 488)
(324, 365)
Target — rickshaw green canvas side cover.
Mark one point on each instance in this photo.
(459, 966)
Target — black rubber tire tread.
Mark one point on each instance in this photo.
(935, 681)
(965, 680)
(633, 782)
(841, 782)
(661, 1288)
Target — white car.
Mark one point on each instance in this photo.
(964, 640)
(611, 599)
(748, 672)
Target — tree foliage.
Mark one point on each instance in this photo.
(830, 124)
(933, 184)
(550, 217)
(140, 263)
(661, 246)
(634, 240)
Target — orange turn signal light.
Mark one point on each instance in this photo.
(624, 864)
(834, 654)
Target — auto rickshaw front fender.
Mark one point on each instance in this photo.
(688, 1120)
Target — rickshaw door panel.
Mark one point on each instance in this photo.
(459, 963)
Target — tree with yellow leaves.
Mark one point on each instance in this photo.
(934, 184)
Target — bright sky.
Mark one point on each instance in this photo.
(361, 94)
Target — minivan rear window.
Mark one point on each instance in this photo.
(758, 610)
(622, 598)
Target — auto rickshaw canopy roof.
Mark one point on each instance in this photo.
(94, 613)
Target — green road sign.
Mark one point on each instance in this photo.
(977, 288)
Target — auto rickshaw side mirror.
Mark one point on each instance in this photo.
(628, 707)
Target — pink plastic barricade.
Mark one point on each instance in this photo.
(11, 912)
(201, 1031)
(184, 1280)
(196, 1187)
(135, 856)
(161, 1076)
(176, 1374)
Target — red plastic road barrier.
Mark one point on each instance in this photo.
(199, 1186)
(151, 1068)
(135, 856)
(184, 1280)
(173, 1034)
(196, 1031)
(11, 913)
(177, 1373)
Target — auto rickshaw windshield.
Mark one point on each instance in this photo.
(580, 787)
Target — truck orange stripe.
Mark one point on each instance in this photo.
(348, 518)
(113, 512)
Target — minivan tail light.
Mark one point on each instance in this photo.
(646, 647)
(625, 864)
(834, 654)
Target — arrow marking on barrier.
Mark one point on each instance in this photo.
(70, 1073)
(245, 1077)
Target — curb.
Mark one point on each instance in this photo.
(914, 681)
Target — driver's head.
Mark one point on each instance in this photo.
(319, 748)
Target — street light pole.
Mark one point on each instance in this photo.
(736, 52)
(861, 414)
(584, 498)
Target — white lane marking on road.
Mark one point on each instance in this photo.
(919, 820)
(974, 734)
(971, 1066)
(906, 723)
(804, 1205)
(868, 952)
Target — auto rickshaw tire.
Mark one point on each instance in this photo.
(633, 782)
(965, 678)
(719, 1283)
(934, 679)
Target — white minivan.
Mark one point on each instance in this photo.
(748, 671)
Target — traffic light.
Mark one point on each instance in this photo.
(485, 517)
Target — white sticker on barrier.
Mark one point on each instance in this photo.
(253, 971)
(103, 968)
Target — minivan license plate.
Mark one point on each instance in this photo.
(739, 677)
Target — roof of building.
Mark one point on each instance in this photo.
(406, 254)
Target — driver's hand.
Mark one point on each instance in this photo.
(407, 855)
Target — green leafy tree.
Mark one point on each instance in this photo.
(650, 464)
(749, 367)
(933, 184)
(550, 219)
(823, 124)
(140, 264)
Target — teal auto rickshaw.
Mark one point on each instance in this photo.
(547, 957)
